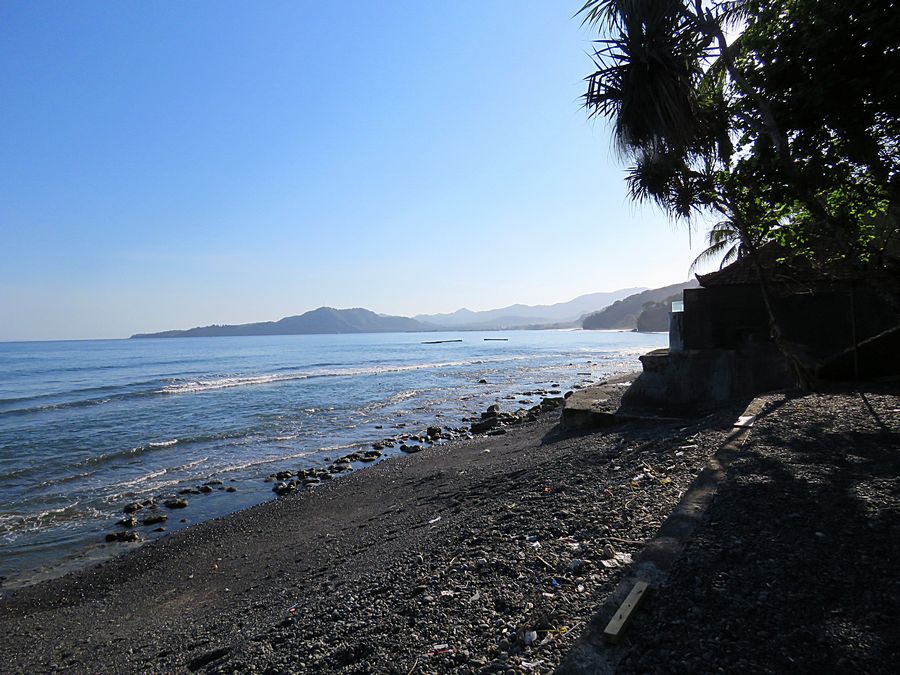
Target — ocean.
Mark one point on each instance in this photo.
(89, 426)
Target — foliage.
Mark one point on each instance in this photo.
(723, 244)
(791, 131)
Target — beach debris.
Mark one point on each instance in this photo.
(132, 507)
(616, 627)
(175, 503)
(577, 565)
(442, 648)
(531, 637)
(434, 520)
(482, 381)
(531, 665)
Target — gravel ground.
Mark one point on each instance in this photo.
(795, 567)
(486, 555)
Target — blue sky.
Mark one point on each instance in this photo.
(166, 164)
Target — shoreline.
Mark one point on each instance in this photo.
(480, 544)
(398, 439)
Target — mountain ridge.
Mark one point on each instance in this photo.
(329, 320)
(521, 315)
(324, 320)
(623, 314)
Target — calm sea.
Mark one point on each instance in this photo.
(88, 426)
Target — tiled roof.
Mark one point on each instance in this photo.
(778, 267)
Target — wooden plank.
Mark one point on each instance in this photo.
(616, 627)
(745, 421)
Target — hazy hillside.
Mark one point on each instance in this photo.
(317, 321)
(655, 315)
(524, 315)
(624, 314)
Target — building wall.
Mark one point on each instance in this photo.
(731, 317)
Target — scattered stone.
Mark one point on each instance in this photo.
(483, 425)
(126, 536)
(132, 507)
(175, 503)
(130, 521)
(155, 518)
(281, 489)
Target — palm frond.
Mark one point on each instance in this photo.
(647, 73)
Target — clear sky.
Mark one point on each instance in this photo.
(171, 164)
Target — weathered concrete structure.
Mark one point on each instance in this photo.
(841, 325)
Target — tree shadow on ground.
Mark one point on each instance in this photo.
(795, 566)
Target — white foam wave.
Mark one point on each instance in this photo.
(14, 524)
(196, 386)
(164, 444)
(190, 465)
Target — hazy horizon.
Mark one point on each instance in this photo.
(170, 166)
(297, 313)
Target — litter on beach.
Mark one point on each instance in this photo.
(434, 520)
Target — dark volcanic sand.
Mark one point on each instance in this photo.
(455, 558)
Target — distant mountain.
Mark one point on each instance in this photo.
(317, 321)
(654, 316)
(516, 316)
(623, 314)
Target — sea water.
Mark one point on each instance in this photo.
(88, 426)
